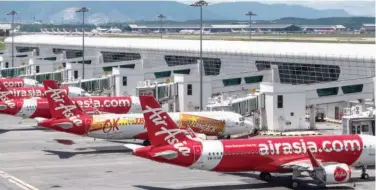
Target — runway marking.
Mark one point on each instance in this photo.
(17, 181)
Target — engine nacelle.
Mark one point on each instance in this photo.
(336, 173)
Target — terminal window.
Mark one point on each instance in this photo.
(279, 101)
(69, 53)
(76, 74)
(27, 49)
(327, 91)
(352, 88)
(124, 81)
(189, 89)
(231, 82)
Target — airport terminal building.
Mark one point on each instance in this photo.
(330, 70)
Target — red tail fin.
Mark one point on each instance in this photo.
(60, 104)
(162, 130)
(5, 91)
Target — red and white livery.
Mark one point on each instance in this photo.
(326, 158)
(32, 108)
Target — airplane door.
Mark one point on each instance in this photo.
(198, 155)
(87, 124)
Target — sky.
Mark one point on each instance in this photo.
(358, 8)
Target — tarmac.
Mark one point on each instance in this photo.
(32, 159)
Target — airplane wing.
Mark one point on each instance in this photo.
(306, 164)
(301, 165)
(133, 147)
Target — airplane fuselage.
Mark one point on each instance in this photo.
(32, 108)
(129, 126)
(265, 154)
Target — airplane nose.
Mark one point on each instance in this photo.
(249, 124)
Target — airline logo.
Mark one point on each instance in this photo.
(29, 92)
(57, 96)
(4, 98)
(200, 124)
(340, 174)
(13, 82)
(111, 125)
(301, 146)
(170, 138)
(104, 103)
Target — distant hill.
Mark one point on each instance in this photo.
(128, 11)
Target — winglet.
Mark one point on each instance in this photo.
(315, 163)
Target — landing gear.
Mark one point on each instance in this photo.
(146, 142)
(364, 174)
(265, 176)
(294, 184)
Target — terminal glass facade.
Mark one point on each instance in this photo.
(111, 57)
(212, 66)
(13, 72)
(298, 73)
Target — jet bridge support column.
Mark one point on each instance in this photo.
(312, 117)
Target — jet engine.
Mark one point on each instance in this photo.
(332, 174)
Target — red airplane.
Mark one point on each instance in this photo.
(326, 158)
(18, 82)
(38, 91)
(32, 108)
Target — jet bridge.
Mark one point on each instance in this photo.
(165, 92)
(241, 105)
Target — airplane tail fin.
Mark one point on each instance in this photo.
(162, 130)
(5, 90)
(61, 106)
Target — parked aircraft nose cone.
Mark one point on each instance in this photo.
(249, 124)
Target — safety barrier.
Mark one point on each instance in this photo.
(333, 120)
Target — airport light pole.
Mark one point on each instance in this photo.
(12, 29)
(83, 10)
(161, 17)
(250, 14)
(200, 4)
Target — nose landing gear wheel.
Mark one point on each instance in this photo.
(294, 184)
(146, 143)
(265, 176)
(364, 176)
